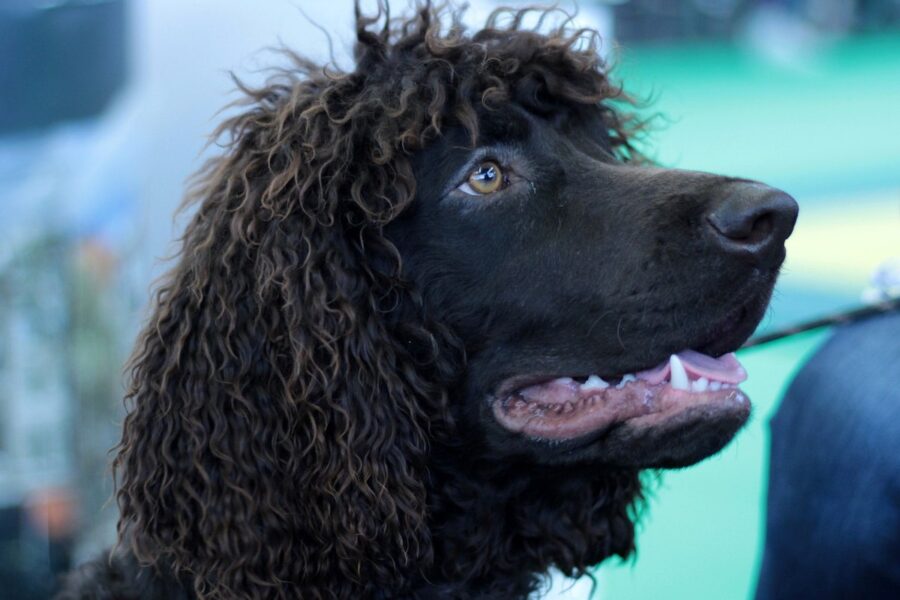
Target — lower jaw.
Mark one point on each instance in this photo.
(640, 405)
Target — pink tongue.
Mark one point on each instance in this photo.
(726, 368)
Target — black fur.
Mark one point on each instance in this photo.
(312, 405)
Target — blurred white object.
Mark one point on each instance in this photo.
(781, 37)
(884, 283)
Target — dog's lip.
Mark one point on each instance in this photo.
(731, 331)
(639, 404)
(518, 382)
(565, 409)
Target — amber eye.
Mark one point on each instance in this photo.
(487, 178)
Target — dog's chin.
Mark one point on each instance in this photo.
(678, 439)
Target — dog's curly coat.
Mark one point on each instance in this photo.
(292, 431)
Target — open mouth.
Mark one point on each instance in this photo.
(570, 407)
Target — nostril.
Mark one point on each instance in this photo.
(745, 228)
(762, 228)
(754, 220)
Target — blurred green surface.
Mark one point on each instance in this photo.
(818, 124)
(826, 129)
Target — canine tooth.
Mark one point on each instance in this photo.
(715, 386)
(679, 375)
(594, 382)
(700, 385)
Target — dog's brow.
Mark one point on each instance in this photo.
(509, 127)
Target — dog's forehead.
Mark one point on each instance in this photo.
(512, 123)
(506, 125)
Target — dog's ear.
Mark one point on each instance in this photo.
(277, 430)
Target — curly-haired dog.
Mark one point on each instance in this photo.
(429, 322)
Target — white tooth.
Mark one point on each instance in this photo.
(594, 382)
(679, 375)
(625, 380)
(564, 380)
(715, 385)
(700, 385)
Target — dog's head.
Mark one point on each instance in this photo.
(598, 300)
(451, 244)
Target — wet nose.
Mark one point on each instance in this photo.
(754, 220)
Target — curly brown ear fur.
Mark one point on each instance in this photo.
(285, 389)
(279, 424)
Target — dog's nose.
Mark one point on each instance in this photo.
(753, 220)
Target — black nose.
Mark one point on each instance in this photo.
(753, 220)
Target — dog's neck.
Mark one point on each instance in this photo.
(498, 528)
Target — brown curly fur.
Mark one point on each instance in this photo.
(288, 391)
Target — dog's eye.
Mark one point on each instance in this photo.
(487, 178)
